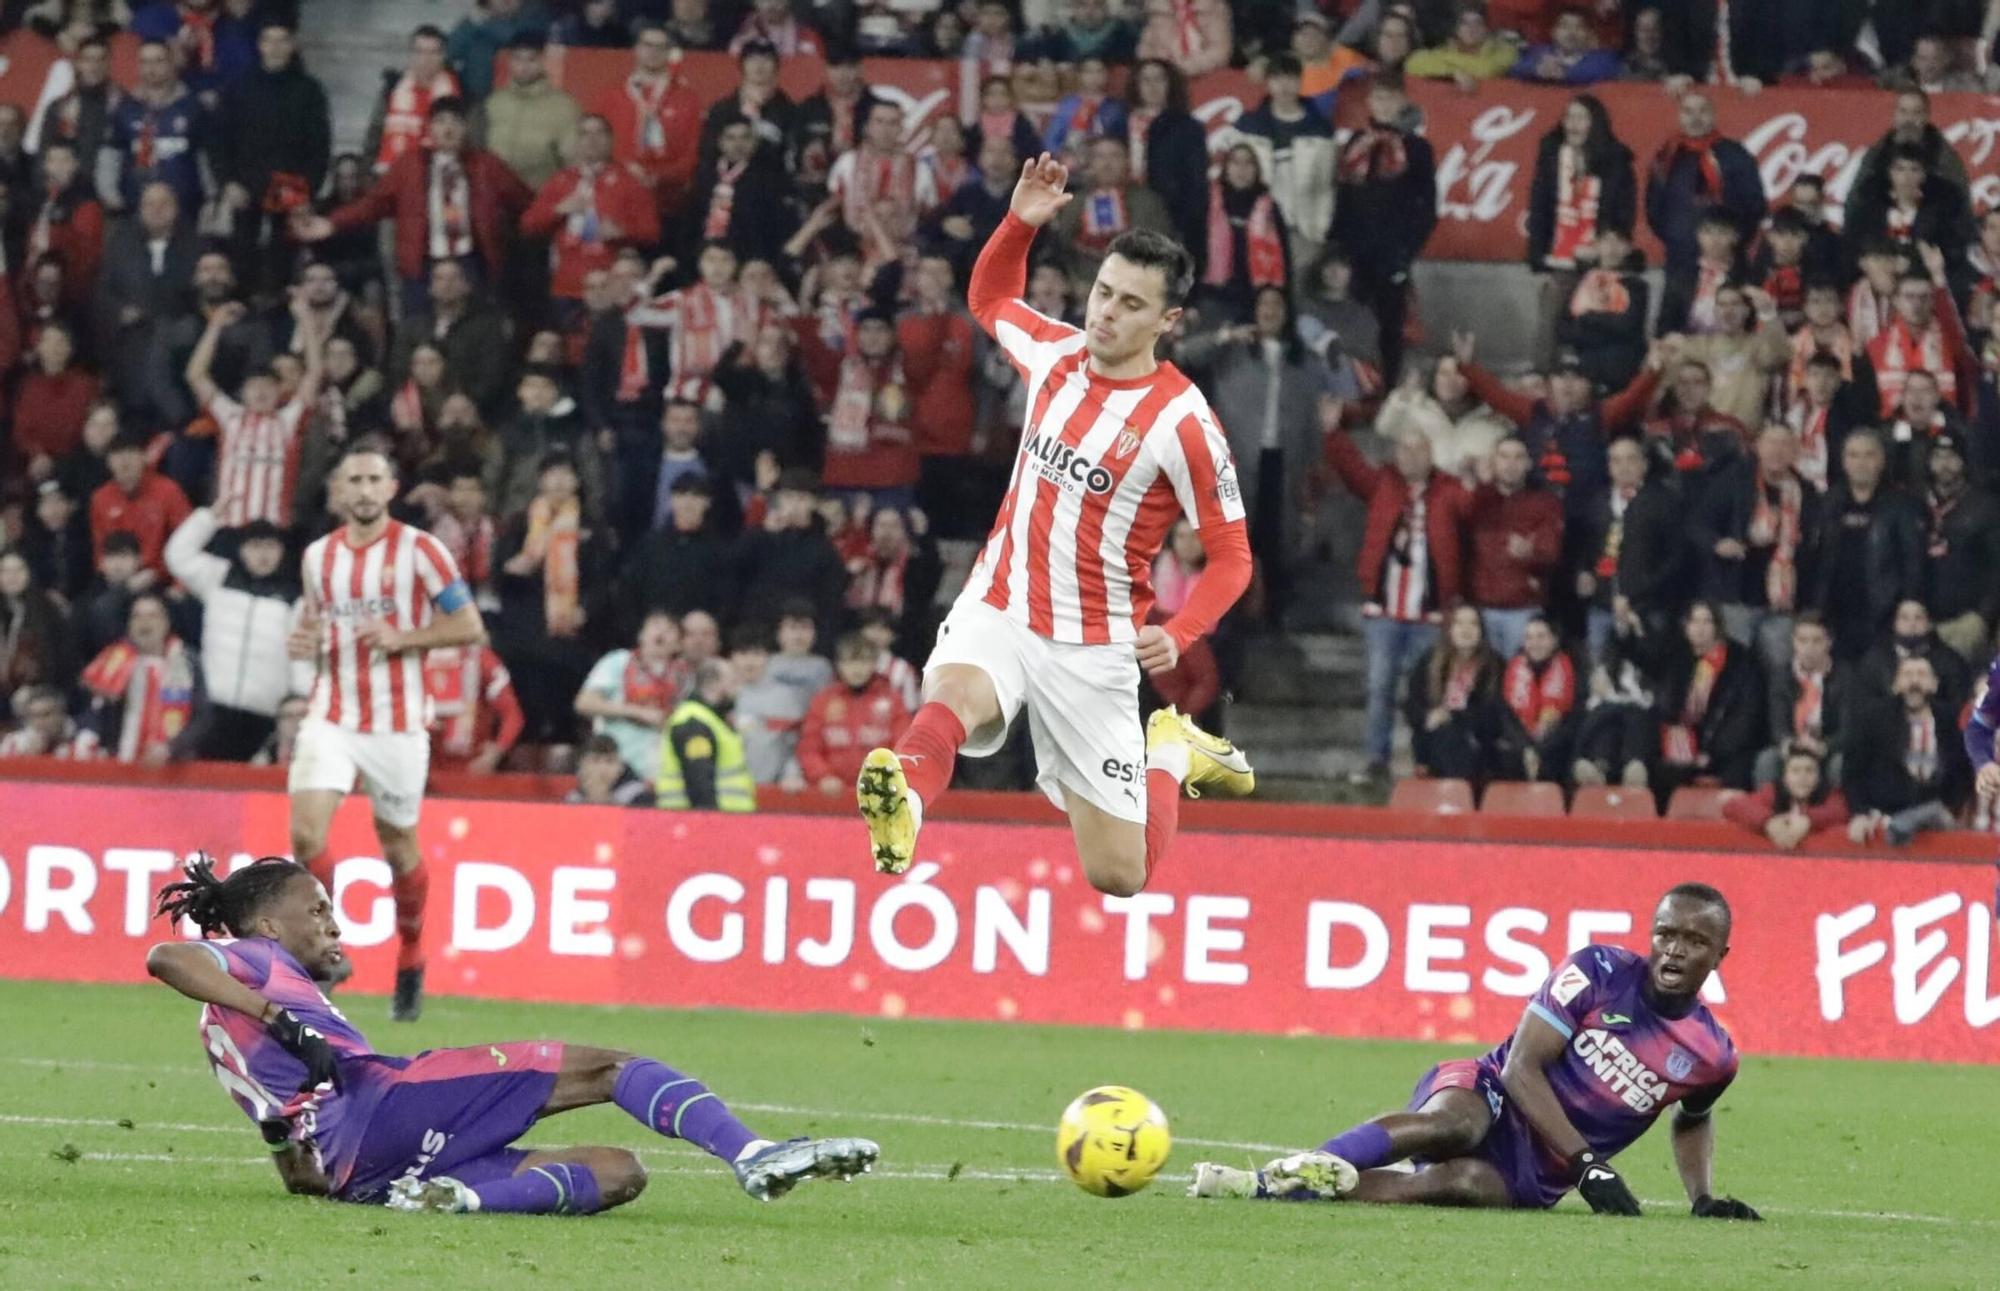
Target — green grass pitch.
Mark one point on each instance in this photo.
(123, 1164)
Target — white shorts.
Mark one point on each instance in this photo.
(1082, 702)
(392, 766)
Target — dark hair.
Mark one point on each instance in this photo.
(1909, 152)
(369, 445)
(876, 616)
(854, 646)
(1789, 220)
(797, 607)
(1177, 89)
(1781, 797)
(119, 542)
(428, 30)
(1707, 895)
(1151, 250)
(1293, 345)
(448, 105)
(1600, 146)
(601, 746)
(752, 634)
(1282, 64)
(225, 907)
(1825, 359)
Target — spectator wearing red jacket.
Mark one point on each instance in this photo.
(51, 402)
(656, 118)
(859, 710)
(591, 211)
(477, 198)
(1411, 568)
(140, 501)
(1796, 805)
(475, 716)
(939, 345)
(1192, 685)
(67, 222)
(1516, 532)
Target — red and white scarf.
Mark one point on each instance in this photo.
(407, 115)
(157, 692)
(874, 582)
(878, 179)
(1137, 127)
(1809, 709)
(1601, 291)
(1461, 679)
(1680, 742)
(459, 688)
(655, 687)
(1577, 195)
(1702, 149)
(1537, 691)
(873, 399)
(1809, 424)
(1868, 315)
(1709, 280)
(648, 97)
(722, 199)
(1614, 536)
(558, 532)
(450, 213)
(1266, 252)
(1774, 523)
(1920, 756)
(1902, 353)
(1375, 153)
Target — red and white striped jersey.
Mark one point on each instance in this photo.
(404, 579)
(1105, 468)
(257, 462)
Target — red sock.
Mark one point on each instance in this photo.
(321, 868)
(411, 890)
(929, 750)
(1163, 816)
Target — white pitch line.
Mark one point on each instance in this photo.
(925, 1172)
(934, 1173)
(946, 1122)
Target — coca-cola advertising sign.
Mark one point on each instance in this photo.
(1413, 939)
(1485, 141)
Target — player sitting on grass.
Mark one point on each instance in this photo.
(1607, 1044)
(432, 1132)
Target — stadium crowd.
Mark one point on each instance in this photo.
(690, 392)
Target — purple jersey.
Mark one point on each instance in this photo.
(266, 1081)
(1985, 718)
(1624, 1063)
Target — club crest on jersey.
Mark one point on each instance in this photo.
(1679, 1063)
(1062, 465)
(1128, 443)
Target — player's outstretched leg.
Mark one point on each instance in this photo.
(897, 783)
(681, 1107)
(562, 1181)
(1448, 1122)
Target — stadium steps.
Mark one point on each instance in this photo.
(349, 43)
(1299, 710)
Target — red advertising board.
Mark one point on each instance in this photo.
(1485, 140)
(1419, 939)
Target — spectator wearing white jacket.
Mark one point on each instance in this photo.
(1296, 156)
(1462, 430)
(248, 607)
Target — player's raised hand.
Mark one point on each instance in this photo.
(1603, 1187)
(1157, 651)
(1039, 194)
(1707, 1207)
(307, 1045)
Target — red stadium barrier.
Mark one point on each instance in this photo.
(1261, 932)
(1485, 141)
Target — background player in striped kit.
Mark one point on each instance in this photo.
(378, 594)
(1116, 446)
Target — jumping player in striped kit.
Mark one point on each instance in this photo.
(436, 1131)
(1609, 1042)
(378, 594)
(1116, 446)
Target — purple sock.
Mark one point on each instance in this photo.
(557, 1189)
(1364, 1147)
(679, 1107)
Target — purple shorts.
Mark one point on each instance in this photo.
(1535, 1177)
(451, 1112)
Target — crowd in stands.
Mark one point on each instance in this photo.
(690, 392)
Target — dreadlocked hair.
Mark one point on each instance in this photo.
(224, 907)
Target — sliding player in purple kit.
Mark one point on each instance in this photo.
(1979, 732)
(1608, 1043)
(432, 1132)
